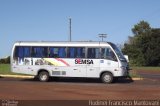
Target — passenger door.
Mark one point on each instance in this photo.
(92, 63)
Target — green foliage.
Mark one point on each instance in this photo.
(141, 28)
(5, 60)
(143, 48)
(5, 69)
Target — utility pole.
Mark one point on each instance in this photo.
(102, 36)
(70, 29)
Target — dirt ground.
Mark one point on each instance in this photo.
(81, 89)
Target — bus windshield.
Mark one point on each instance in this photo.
(118, 52)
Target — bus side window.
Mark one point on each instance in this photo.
(39, 52)
(93, 53)
(80, 52)
(57, 52)
(76, 52)
(61, 52)
(53, 52)
(71, 52)
(20, 53)
(107, 53)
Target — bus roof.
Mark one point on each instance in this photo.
(61, 43)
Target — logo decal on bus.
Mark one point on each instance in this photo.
(83, 61)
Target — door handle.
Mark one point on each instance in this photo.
(29, 68)
(55, 68)
(75, 69)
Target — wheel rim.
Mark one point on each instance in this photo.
(43, 77)
(107, 78)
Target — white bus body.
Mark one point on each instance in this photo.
(69, 59)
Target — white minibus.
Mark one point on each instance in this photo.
(69, 59)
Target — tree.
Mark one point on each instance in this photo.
(142, 48)
(152, 54)
(2, 61)
(141, 28)
(5, 60)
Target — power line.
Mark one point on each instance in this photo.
(102, 36)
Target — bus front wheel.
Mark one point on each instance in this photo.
(107, 77)
(43, 76)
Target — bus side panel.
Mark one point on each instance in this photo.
(55, 66)
(93, 68)
(110, 66)
(72, 68)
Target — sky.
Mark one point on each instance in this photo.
(48, 20)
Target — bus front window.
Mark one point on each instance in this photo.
(107, 53)
(118, 52)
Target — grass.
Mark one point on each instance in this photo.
(5, 69)
(146, 68)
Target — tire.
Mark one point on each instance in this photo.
(107, 78)
(43, 76)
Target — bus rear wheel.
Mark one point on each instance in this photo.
(43, 76)
(107, 77)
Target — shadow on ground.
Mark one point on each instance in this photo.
(81, 80)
